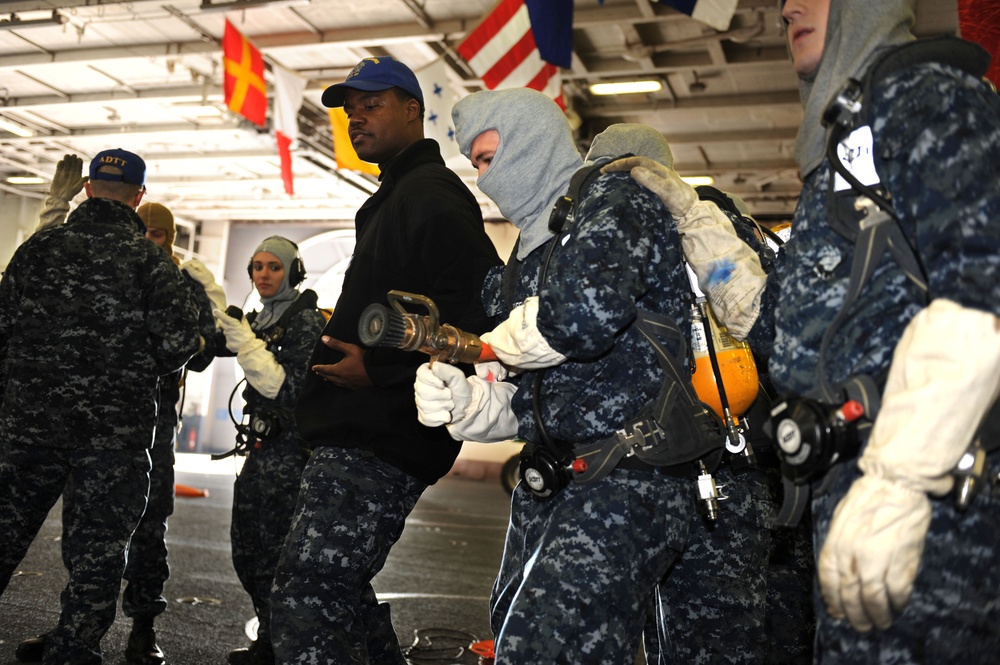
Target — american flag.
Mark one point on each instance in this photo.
(522, 44)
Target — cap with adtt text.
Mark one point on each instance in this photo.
(128, 167)
(371, 75)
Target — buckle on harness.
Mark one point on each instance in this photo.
(640, 435)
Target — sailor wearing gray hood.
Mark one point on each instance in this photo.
(906, 574)
(909, 558)
(584, 553)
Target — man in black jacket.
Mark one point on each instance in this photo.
(421, 232)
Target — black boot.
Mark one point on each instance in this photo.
(142, 648)
(239, 656)
(30, 650)
(258, 654)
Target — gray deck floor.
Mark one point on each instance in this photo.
(437, 578)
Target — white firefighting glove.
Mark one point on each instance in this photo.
(472, 408)
(517, 341)
(728, 270)
(66, 183)
(936, 394)
(263, 372)
(201, 274)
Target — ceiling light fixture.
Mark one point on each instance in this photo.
(697, 86)
(16, 23)
(695, 180)
(25, 180)
(237, 5)
(625, 87)
(14, 128)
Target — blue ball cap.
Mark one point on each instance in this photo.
(371, 75)
(130, 167)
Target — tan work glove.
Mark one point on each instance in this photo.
(729, 271)
(517, 342)
(201, 274)
(261, 368)
(66, 183)
(936, 395)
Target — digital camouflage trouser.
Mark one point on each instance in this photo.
(351, 511)
(107, 496)
(954, 613)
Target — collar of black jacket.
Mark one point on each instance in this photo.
(418, 153)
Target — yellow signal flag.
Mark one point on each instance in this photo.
(346, 156)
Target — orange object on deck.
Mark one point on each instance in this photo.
(483, 649)
(189, 492)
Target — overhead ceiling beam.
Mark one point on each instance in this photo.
(767, 100)
(166, 94)
(164, 49)
(735, 168)
(32, 5)
(739, 136)
(328, 213)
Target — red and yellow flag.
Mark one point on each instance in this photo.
(246, 93)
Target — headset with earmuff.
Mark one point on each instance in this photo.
(297, 271)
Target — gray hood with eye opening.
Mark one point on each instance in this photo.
(534, 162)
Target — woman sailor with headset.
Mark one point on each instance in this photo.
(273, 347)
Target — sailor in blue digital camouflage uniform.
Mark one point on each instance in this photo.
(91, 314)
(581, 564)
(147, 570)
(789, 624)
(272, 346)
(905, 573)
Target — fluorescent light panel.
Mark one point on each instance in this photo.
(15, 22)
(695, 180)
(25, 180)
(15, 128)
(625, 87)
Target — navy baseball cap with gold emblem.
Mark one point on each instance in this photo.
(127, 167)
(371, 75)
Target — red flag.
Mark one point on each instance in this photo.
(288, 90)
(244, 83)
(502, 51)
(285, 156)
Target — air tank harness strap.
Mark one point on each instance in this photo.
(672, 430)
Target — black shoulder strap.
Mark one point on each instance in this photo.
(865, 213)
(719, 198)
(945, 49)
(306, 300)
(726, 204)
(564, 208)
